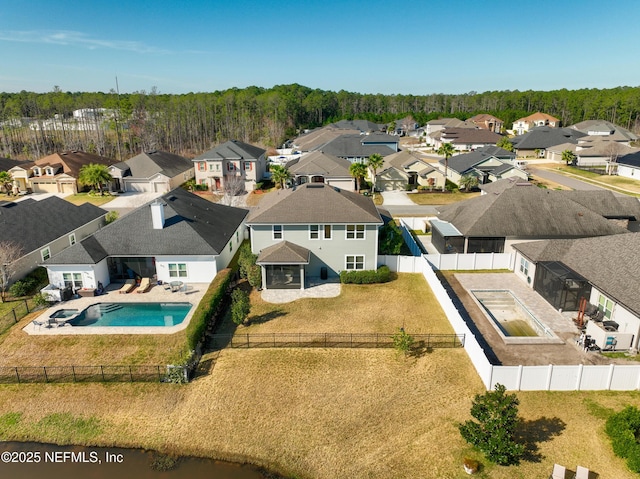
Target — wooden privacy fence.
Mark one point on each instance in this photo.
(330, 340)
(79, 374)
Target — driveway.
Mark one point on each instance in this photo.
(396, 198)
(127, 202)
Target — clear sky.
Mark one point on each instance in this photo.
(407, 47)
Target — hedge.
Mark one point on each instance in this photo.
(623, 428)
(208, 306)
(369, 276)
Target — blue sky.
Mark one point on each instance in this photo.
(417, 47)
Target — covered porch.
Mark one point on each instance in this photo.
(283, 266)
(123, 268)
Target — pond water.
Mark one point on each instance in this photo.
(66, 462)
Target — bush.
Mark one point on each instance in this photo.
(24, 287)
(370, 276)
(254, 276)
(246, 259)
(240, 306)
(623, 428)
(111, 216)
(390, 239)
(451, 186)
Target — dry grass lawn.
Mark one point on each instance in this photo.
(82, 198)
(441, 198)
(17, 348)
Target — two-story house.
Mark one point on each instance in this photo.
(233, 159)
(523, 125)
(313, 230)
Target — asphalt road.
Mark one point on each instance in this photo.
(564, 180)
(408, 210)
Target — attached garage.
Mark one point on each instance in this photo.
(141, 186)
(161, 187)
(44, 187)
(67, 188)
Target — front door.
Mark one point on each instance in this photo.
(217, 184)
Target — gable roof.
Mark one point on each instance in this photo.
(543, 137)
(232, 150)
(607, 262)
(34, 224)
(193, 226)
(351, 146)
(402, 160)
(315, 138)
(529, 213)
(503, 184)
(603, 127)
(482, 117)
(320, 163)
(469, 136)
(468, 161)
(314, 203)
(537, 116)
(7, 163)
(498, 152)
(606, 203)
(630, 159)
(284, 252)
(148, 164)
(72, 161)
(360, 125)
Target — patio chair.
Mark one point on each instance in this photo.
(127, 286)
(145, 284)
(559, 472)
(582, 473)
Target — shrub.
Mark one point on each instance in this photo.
(370, 276)
(623, 428)
(254, 276)
(390, 239)
(111, 216)
(240, 306)
(24, 287)
(246, 259)
(402, 341)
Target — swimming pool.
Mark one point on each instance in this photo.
(132, 314)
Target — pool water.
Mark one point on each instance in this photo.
(132, 314)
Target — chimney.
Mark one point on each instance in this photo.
(157, 215)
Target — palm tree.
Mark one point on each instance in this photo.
(468, 182)
(279, 174)
(447, 150)
(375, 161)
(358, 171)
(568, 156)
(6, 182)
(95, 175)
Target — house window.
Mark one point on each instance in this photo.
(314, 232)
(73, 280)
(72, 239)
(355, 231)
(327, 231)
(524, 266)
(202, 166)
(247, 166)
(355, 261)
(230, 246)
(231, 166)
(277, 232)
(177, 270)
(237, 236)
(36, 171)
(605, 305)
(46, 254)
(214, 166)
(203, 181)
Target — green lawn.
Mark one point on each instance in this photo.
(81, 198)
(613, 181)
(441, 198)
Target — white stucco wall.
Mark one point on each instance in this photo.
(629, 172)
(528, 278)
(627, 321)
(227, 254)
(200, 269)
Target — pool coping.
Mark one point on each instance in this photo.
(190, 293)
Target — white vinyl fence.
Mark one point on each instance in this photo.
(471, 261)
(524, 378)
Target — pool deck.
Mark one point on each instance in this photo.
(191, 293)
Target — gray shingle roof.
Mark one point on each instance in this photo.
(193, 226)
(404, 158)
(470, 136)
(320, 163)
(610, 263)
(8, 163)
(606, 203)
(503, 184)
(350, 146)
(314, 203)
(545, 136)
(467, 161)
(33, 224)
(632, 159)
(529, 213)
(360, 125)
(148, 164)
(284, 252)
(232, 150)
(605, 127)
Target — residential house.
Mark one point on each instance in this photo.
(535, 143)
(629, 165)
(606, 130)
(404, 168)
(55, 173)
(484, 165)
(7, 164)
(231, 161)
(523, 125)
(433, 129)
(314, 139)
(596, 151)
(152, 171)
(319, 167)
(45, 228)
(178, 237)
(465, 139)
(313, 231)
(494, 222)
(358, 148)
(405, 126)
(487, 122)
(602, 270)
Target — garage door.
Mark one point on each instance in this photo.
(161, 187)
(45, 187)
(390, 185)
(67, 188)
(139, 186)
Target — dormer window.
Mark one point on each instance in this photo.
(36, 171)
(48, 171)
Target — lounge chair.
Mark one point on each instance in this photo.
(559, 472)
(145, 284)
(128, 286)
(582, 473)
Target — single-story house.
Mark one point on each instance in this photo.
(483, 165)
(629, 165)
(178, 237)
(55, 173)
(494, 222)
(602, 270)
(231, 160)
(42, 229)
(313, 231)
(535, 142)
(465, 139)
(320, 167)
(606, 130)
(151, 171)
(358, 148)
(404, 168)
(596, 151)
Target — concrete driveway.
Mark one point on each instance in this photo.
(396, 198)
(127, 202)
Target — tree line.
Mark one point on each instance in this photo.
(189, 124)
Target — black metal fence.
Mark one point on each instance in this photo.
(330, 340)
(16, 314)
(80, 374)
